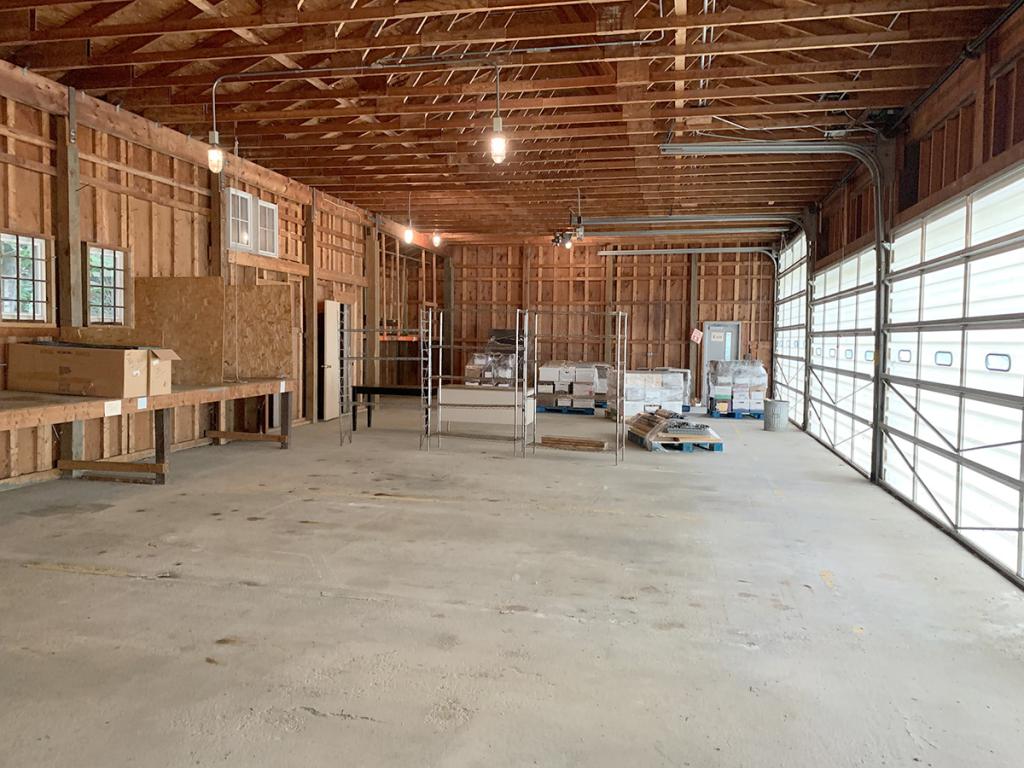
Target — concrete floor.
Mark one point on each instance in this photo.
(375, 605)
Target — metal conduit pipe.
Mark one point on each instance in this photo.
(684, 218)
(869, 159)
(685, 232)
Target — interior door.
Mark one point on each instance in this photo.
(721, 342)
(330, 361)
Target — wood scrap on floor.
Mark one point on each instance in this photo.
(566, 443)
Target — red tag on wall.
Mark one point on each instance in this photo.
(696, 336)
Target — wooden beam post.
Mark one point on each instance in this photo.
(311, 331)
(609, 305)
(694, 349)
(67, 224)
(448, 297)
(163, 429)
(371, 301)
(72, 444)
(218, 227)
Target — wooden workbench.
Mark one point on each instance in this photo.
(19, 410)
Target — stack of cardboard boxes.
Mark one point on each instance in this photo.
(649, 391)
(490, 369)
(737, 386)
(567, 384)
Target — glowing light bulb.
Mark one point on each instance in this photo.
(408, 235)
(568, 244)
(215, 155)
(436, 240)
(499, 144)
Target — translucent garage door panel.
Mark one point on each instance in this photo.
(862, 447)
(906, 250)
(900, 402)
(864, 400)
(935, 485)
(995, 361)
(1000, 545)
(996, 284)
(847, 313)
(905, 300)
(938, 419)
(943, 294)
(997, 212)
(903, 355)
(847, 353)
(865, 354)
(986, 503)
(946, 233)
(940, 356)
(898, 458)
(997, 426)
(866, 311)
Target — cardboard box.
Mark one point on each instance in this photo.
(545, 389)
(583, 402)
(582, 389)
(548, 400)
(586, 374)
(676, 406)
(632, 408)
(601, 387)
(66, 369)
(721, 391)
(567, 374)
(474, 372)
(549, 372)
(564, 402)
(562, 386)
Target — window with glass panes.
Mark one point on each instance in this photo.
(106, 289)
(23, 278)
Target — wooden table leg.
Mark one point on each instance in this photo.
(163, 424)
(369, 414)
(286, 418)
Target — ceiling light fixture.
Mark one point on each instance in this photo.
(215, 155)
(499, 144)
(409, 234)
(436, 240)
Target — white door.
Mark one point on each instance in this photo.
(331, 360)
(721, 342)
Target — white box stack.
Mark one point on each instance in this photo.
(667, 388)
(737, 386)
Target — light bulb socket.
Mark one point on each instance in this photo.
(215, 138)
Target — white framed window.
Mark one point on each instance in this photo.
(240, 218)
(266, 242)
(24, 278)
(108, 285)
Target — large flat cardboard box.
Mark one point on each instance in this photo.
(89, 371)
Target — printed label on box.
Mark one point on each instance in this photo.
(112, 408)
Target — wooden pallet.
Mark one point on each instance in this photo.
(650, 428)
(565, 443)
(737, 414)
(564, 409)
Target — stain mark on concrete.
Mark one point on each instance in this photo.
(255, 518)
(829, 579)
(513, 609)
(211, 660)
(229, 640)
(343, 715)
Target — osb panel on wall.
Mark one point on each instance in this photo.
(185, 314)
(258, 336)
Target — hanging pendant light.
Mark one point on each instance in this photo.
(499, 144)
(436, 240)
(215, 155)
(408, 235)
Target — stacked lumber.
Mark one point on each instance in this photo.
(574, 443)
(655, 431)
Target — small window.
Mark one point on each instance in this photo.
(267, 242)
(24, 278)
(240, 219)
(944, 359)
(999, 363)
(848, 354)
(107, 275)
(832, 352)
(904, 356)
(869, 355)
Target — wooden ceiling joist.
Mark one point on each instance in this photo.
(402, 94)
